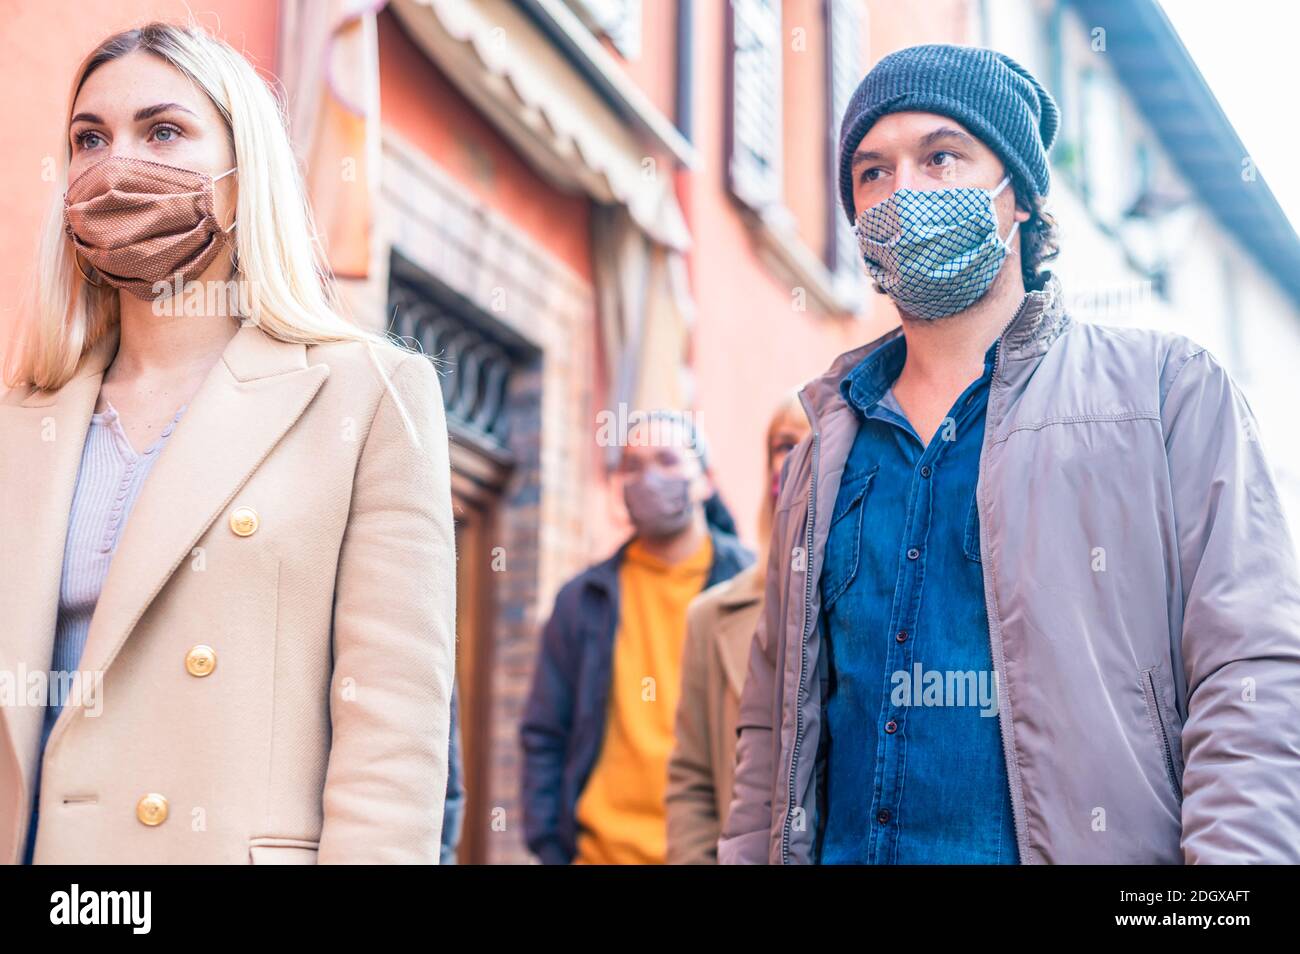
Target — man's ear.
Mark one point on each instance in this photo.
(1024, 210)
(703, 486)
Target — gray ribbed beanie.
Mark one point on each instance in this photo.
(988, 92)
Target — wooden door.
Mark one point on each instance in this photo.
(474, 509)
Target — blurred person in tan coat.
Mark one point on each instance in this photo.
(720, 624)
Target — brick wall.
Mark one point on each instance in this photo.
(552, 518)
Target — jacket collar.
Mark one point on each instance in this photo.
(249, 355)
(1039, 321)
(743, 589)
(1042, 319)
(729, 557)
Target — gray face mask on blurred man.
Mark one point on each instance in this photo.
(659, 506)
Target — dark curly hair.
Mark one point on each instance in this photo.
(1039, 241)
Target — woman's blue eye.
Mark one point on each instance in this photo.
(84, 139)
(172, 131)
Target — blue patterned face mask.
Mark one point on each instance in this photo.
(934, 251)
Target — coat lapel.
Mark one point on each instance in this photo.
(249, 400)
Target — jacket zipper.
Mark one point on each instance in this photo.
(1164, 735)
(803, 647)
(1004, 721)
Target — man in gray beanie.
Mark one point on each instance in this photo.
(1031, 596)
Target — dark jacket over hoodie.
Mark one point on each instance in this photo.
(564, 720)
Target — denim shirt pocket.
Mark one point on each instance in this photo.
(843, 545)
(971, 539)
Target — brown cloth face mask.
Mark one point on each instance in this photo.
(139, 223)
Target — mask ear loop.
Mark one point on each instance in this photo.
(76, 257)
(1006, 242)
(231, 228)
(234, 252)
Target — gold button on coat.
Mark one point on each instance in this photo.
(152, 809)
(201, 660)
(243, 520)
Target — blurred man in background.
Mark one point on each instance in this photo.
(598, 725)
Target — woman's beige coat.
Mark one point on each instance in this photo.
(321, 733)
(719, 626)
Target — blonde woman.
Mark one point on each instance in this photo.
(719, 626)
(236, 556)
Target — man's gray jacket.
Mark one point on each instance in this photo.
(1143, 609)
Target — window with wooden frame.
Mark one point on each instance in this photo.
(827, 264)
(754, 121)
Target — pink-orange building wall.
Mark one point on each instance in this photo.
(420, 103)
(751, 345)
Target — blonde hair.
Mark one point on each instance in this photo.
(276, 247)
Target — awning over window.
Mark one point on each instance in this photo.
(512, 72)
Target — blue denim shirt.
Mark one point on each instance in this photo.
(913, 762)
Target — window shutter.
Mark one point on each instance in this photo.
(845, 71)
(755, 127)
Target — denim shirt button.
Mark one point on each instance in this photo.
(913, 553)
(925, 470)
(883, 816)
(902, 636)
(891, 726)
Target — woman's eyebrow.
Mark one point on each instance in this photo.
(147, 112)
(151, 111)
